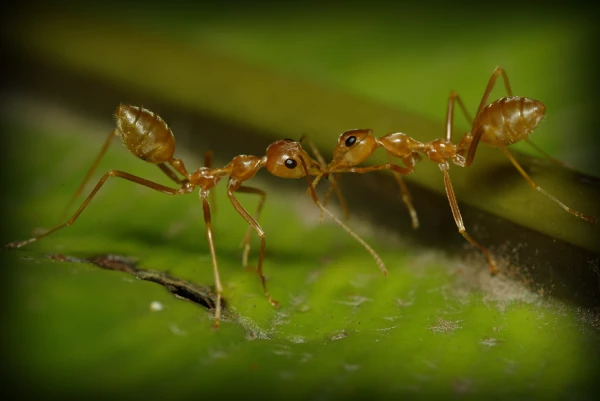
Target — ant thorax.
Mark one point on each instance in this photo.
(205, 178)
(440, 150)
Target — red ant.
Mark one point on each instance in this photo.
(498, 124)
(148, 137)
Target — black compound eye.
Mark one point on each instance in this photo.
(351, 140)
(291, 163)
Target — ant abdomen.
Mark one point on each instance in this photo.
(509, 120)
(145, 134)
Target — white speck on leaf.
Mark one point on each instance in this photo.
(351, 368)
(177, 331)
(489, 342)
(338, 335)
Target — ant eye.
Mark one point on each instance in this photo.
(291, 163)
(351, 140)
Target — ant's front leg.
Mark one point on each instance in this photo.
(386, 166)
(333, 184)
(315, 198)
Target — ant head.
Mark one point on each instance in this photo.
(287, 159)
(353, 147)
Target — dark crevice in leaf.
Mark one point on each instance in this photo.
(198, 294)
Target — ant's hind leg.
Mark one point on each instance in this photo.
(458, 218)
(552, 159)
(218, 286)
(450, 114)
(89, 173)
(111, 173)
(497, 71)
(575, 213)
(165, 169)
(471, 140)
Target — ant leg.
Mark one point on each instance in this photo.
(386, 166)
(497, 71)
(333, 182)
(246, 241)
(450, 114)
(254, 224)
(103, 150)
(332, 185)
(165, 169)
(314, 150)
(178, 165)
(89, 173)
(397, 171)
(458, 218)
(473, 141)
(328, 193)
(208, 158)
(575, 213)
(552, 159)
(111, 173)
(313, 193)
(406, 198)
(218, 287)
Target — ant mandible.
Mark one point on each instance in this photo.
(148, 137)
(499, 124)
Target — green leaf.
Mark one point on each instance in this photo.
(437, 326)
(434, 326)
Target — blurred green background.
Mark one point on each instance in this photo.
(411, 56)
(233, 77)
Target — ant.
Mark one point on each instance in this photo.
(148, 137)
(499, 124)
